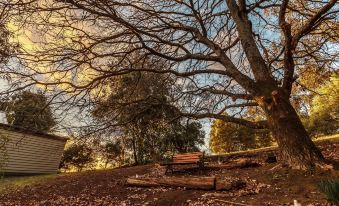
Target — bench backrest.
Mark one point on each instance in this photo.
(188, 157)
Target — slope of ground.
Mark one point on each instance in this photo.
(11, 183)
(264, 186)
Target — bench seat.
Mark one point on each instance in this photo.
(185, 159)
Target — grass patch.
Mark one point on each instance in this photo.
(8, 184)
(331, 189)
(334, 137)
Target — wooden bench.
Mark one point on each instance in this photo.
(185, 159)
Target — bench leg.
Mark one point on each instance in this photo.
(201, 167)
(166, 169)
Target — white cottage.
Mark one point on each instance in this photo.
(25, 152)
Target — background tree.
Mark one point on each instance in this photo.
(77, 155)
(229, 137)
(324, 114)
(112, 152)
(263, 138)
(226, 55)
(185, 136)
(310, 78)
(31, 111)
(139, 104)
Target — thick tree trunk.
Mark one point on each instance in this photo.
(297, 149)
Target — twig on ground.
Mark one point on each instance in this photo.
(236, 203)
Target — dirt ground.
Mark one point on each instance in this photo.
(264, 186)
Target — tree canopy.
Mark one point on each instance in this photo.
(226, 55)
(30, 111)
(77, 156)
(229, 137)
(138, 105)
(324, 114)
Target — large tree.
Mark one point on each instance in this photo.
(227, 54)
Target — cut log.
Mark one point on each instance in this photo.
(204, 183)
(142, 182)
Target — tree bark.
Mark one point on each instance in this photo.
(136, 162)
(297, 149)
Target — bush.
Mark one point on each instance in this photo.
(331, 189)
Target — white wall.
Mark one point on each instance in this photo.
(3, 119)
(28, 154)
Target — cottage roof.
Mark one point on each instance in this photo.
(30, 132)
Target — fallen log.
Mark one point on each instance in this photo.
(149, 182)
(204, 183)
